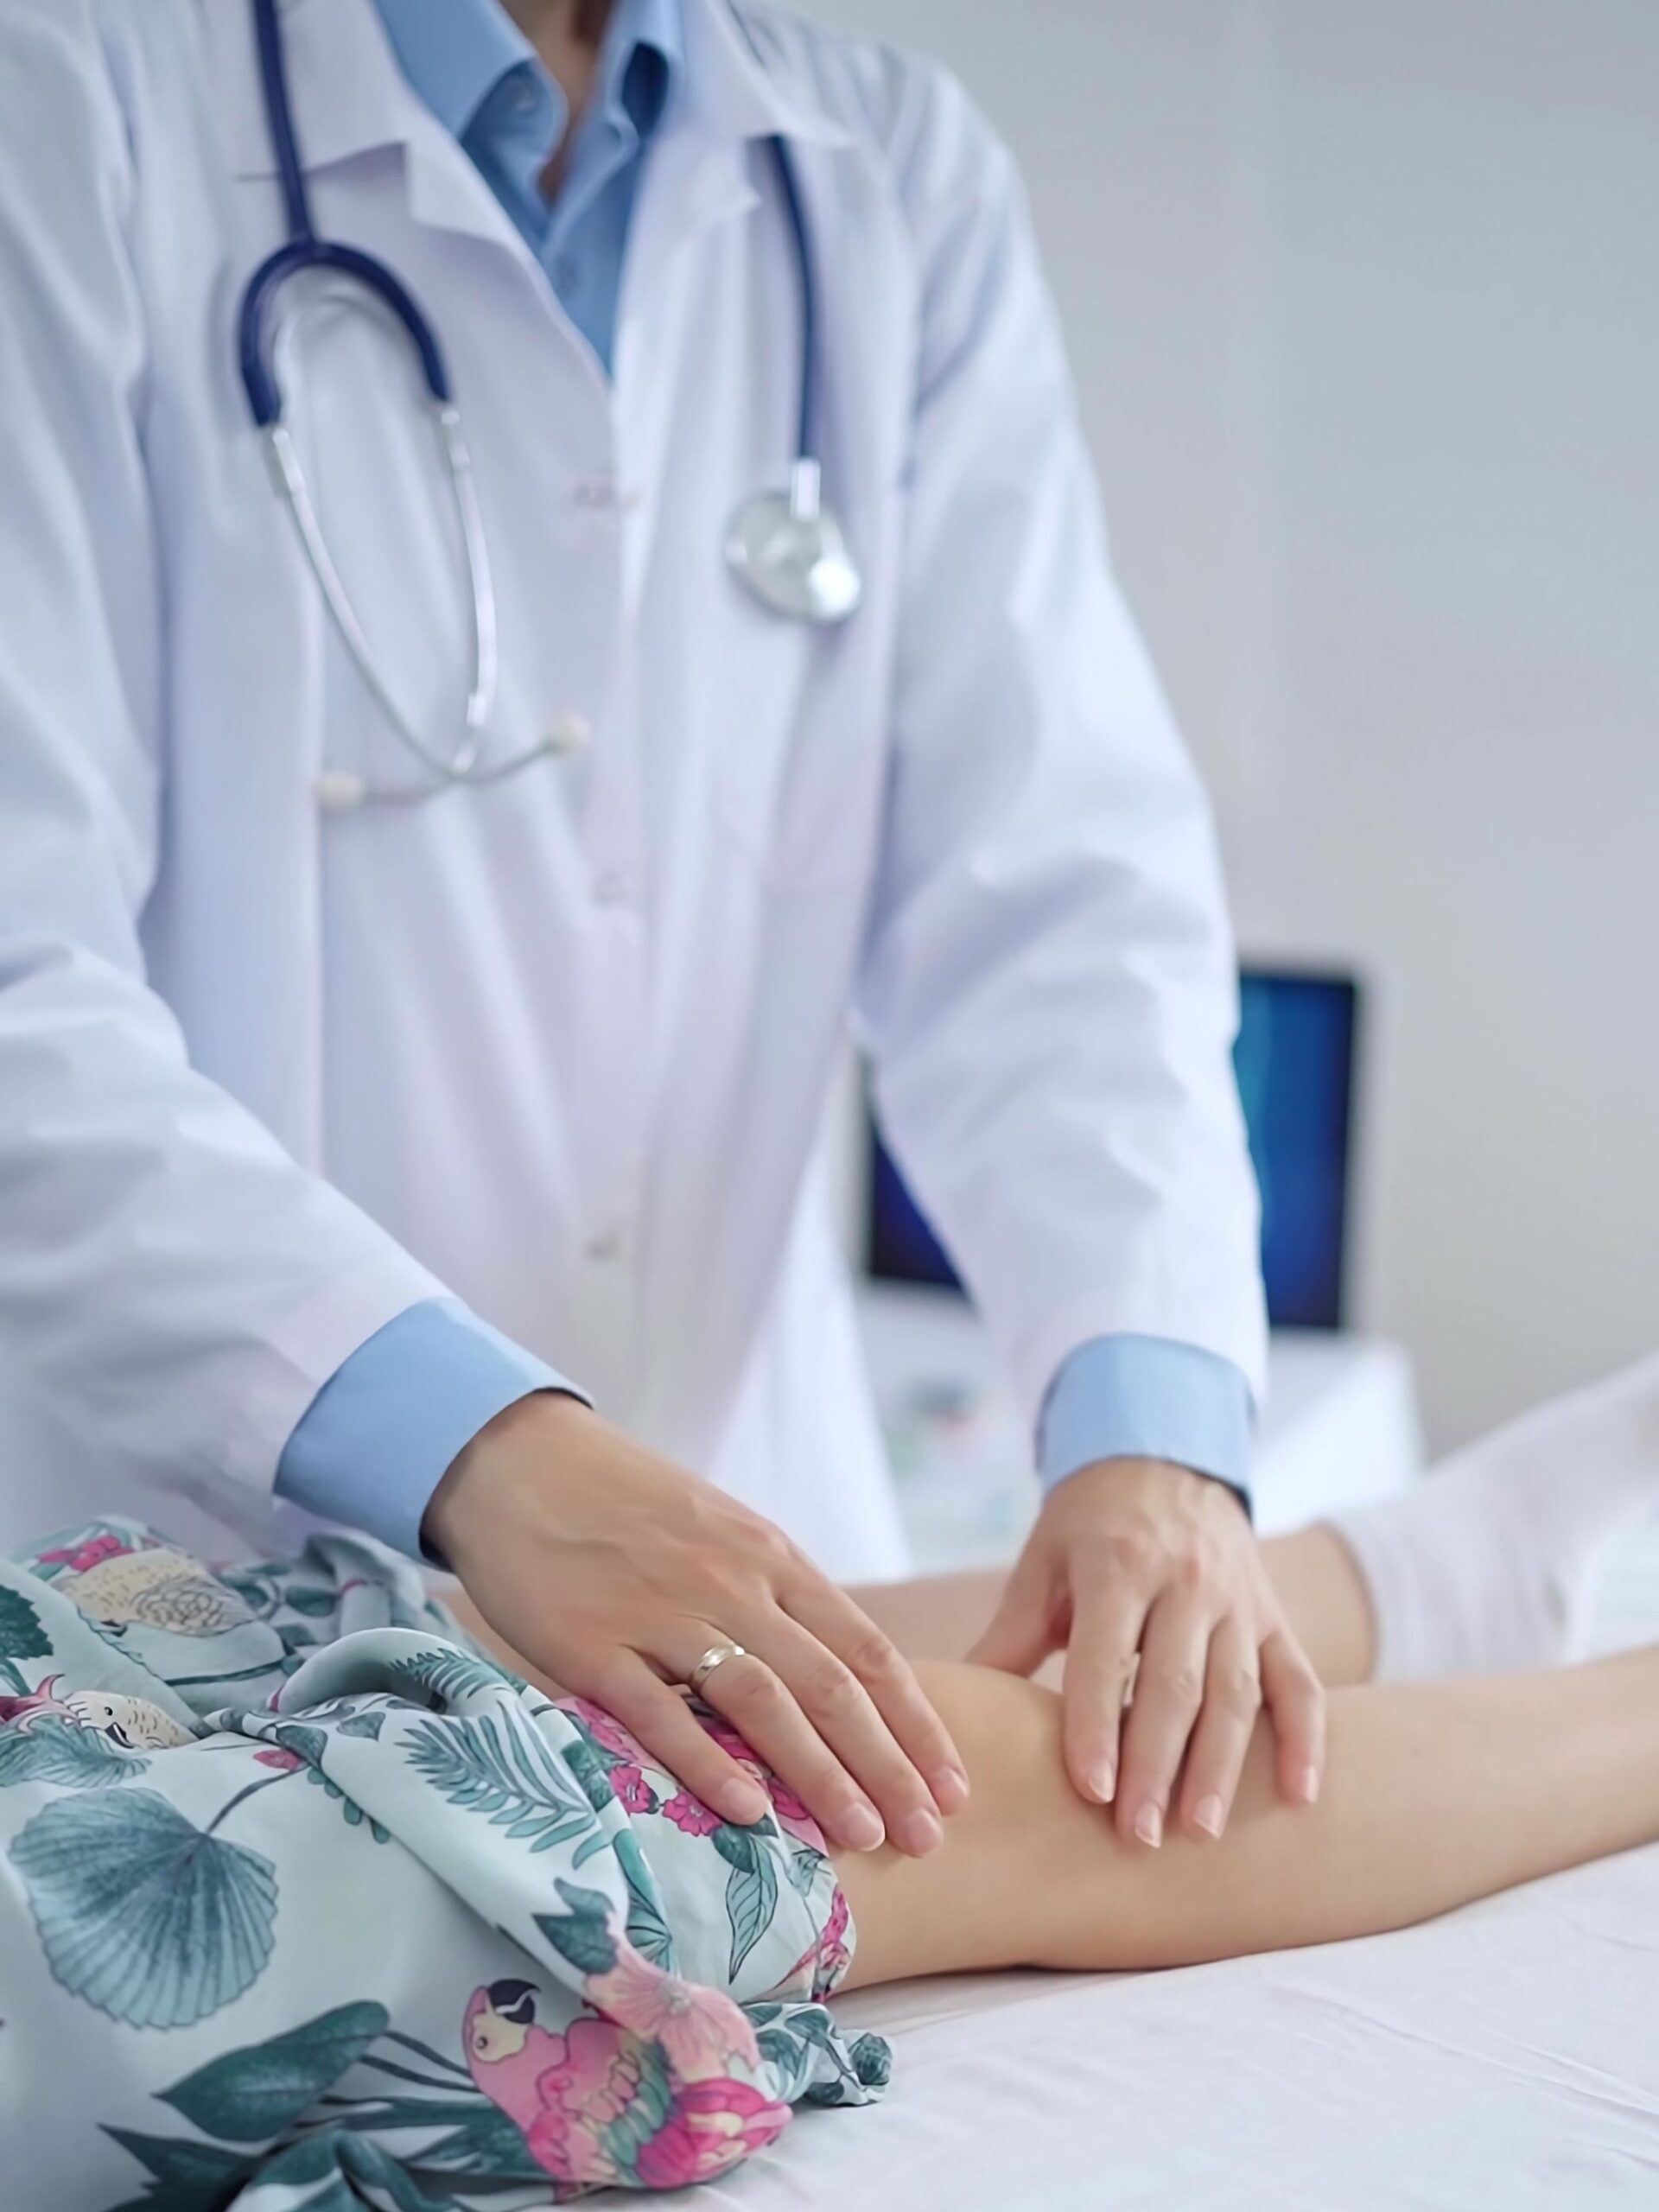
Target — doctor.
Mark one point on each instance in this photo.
(444, 839)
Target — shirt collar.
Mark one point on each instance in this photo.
(351, 97)
(454, 53)
(653, 26)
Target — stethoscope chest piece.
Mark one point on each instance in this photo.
(792, 553)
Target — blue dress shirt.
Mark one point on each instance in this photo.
(482, 79)
(377, 1439)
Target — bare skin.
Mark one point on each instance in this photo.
(1438, 1793)
(568, 36)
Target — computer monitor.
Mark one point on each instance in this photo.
(1295, 1058)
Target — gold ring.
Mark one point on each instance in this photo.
(716, 1655)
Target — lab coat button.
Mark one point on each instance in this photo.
(614, 887)
(597, 493)
(569, 733)
(339, 791)
(609, 1245)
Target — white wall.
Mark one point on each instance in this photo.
(1363, 301)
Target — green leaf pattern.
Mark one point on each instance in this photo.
(248, 2097)
(21, 1635)
(148, 1917)
(751, 1888)
(62, 1752)
(329, 1986)
(514, 1780)
(448, 1677)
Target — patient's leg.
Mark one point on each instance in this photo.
(1437, 1793)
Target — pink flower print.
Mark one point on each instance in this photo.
(632, 1791)
(713, 2125)
(80, 1557)
(285, 1762)
(701, 2031)
(720, 1732)
(36, 1704)
(605, 1731)
(792, 1816)
(822, 1967)
(834, 1955)
(690, 1815)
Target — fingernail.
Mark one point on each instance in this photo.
(1150, 1825)
(1207, 1814)
(1102, 1781)
(950, 1789)
(861, 1826)
(1311, 1785)
(919, 1833)
(746, 1803)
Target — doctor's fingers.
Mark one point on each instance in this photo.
(666, 1727)
(1296, 1697)
(803, 1713)
(819, 1727)
(832, 1622)
(1109, 1617)
(1232, 1699)
(1169, 1696)
(751, 1697)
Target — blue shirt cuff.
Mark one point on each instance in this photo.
(376, 1440)
(1129, 1397)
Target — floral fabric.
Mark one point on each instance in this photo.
(304, 1902)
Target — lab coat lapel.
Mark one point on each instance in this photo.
(350, 100)
(702, 169)
(740, 82)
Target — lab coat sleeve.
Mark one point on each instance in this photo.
(1049, 991)
(173, 1288)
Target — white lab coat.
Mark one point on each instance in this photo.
(561, 1047)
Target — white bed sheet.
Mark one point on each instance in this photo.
(1502, 2059)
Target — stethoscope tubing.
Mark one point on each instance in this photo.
(305, 253)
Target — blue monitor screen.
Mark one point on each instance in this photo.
(1295, 1062)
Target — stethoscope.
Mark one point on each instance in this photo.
(787, 546)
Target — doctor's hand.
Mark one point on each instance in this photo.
(613, 1572)
(1150, 1579)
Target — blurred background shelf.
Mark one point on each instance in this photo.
(1341, 1425)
